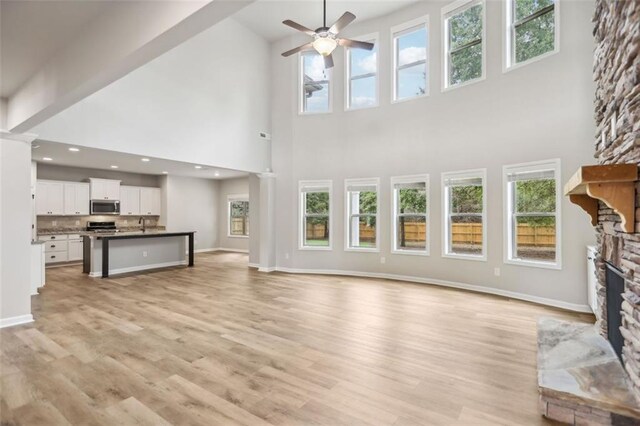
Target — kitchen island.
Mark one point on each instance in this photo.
(124, 252)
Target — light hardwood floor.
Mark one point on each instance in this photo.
(220, 344)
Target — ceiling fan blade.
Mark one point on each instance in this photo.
(345, 42)
(328, 61)
(303, 48)
(344, 20)
(299, 27)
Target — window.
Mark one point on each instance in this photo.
(362, 75)
(410, 207)
(531, 30)
(410, 72)
(315, 84)
(533, 214)
(464, 202)
(315, 215)
(238, 216)
(362, 214)
(463, 36)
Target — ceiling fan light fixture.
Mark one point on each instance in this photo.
(325, 45)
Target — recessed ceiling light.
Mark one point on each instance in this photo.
(72, 149)
(47, 159)
(145, 160)
(114, 167)
(198, 167)
(165, 173)
(216, 174)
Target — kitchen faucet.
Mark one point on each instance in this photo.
(143, 222)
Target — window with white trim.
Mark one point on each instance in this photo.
(410, 72)
(315, 215)
(238, 215)
(464, 203)
(315, 84)
(532, 205)
(532, 29)
(361, 201)
(362, 75)
(410, 207)
(463, 26)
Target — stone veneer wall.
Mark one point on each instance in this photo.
(617, 76)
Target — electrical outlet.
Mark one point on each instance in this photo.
(54, 222)
(383, 260)
(144, 254)
(125, 221)
(496, 272)
(77, 223)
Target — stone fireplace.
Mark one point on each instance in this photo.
(584, 379)
(617, 114)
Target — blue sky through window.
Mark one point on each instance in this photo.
(363, 79)
(316, 83)
(411, 48)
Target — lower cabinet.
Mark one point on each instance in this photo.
(62, 248)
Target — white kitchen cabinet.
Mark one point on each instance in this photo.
(75, 250)
(129, 201)
(104, 189)
(49, 198)
(76, 198)
(150, 201)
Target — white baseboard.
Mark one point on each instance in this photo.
(254, 265)
(139, 268)
(470, 287)
(269, 269)
(204, 250)
(11, 321)
(232, 250)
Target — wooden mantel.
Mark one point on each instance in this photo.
(612, 184)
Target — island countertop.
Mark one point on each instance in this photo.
(139, 234)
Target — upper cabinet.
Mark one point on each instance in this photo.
(129, 201)
(104, 189)
(49, 198)
(76, 198)
(150, 204)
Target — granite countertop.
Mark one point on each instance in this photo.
(36, 242)
(83, 231)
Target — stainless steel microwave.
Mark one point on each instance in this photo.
(105, 207)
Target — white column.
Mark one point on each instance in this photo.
(15, 228)
(254, 221)
(267, 222)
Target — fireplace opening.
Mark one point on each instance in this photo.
(615, 289)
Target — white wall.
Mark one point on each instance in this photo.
(192, 205)
(15, 232)
(81, 174)
(239, 186)
(541, 111)
(203, 102)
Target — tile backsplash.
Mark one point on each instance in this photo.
(79, 223)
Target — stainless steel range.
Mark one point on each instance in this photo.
(102, 227)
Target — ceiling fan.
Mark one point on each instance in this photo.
(325, 39)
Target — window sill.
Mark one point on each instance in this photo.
(411, 253)
(349, 109)
(413, 98)
(506, 69)
(301, 113)
(465, 84)
(237, 236)
(314, 248)
(482, 258)
(534, 264)
(362, 250)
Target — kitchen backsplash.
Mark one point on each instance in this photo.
(47, 224)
